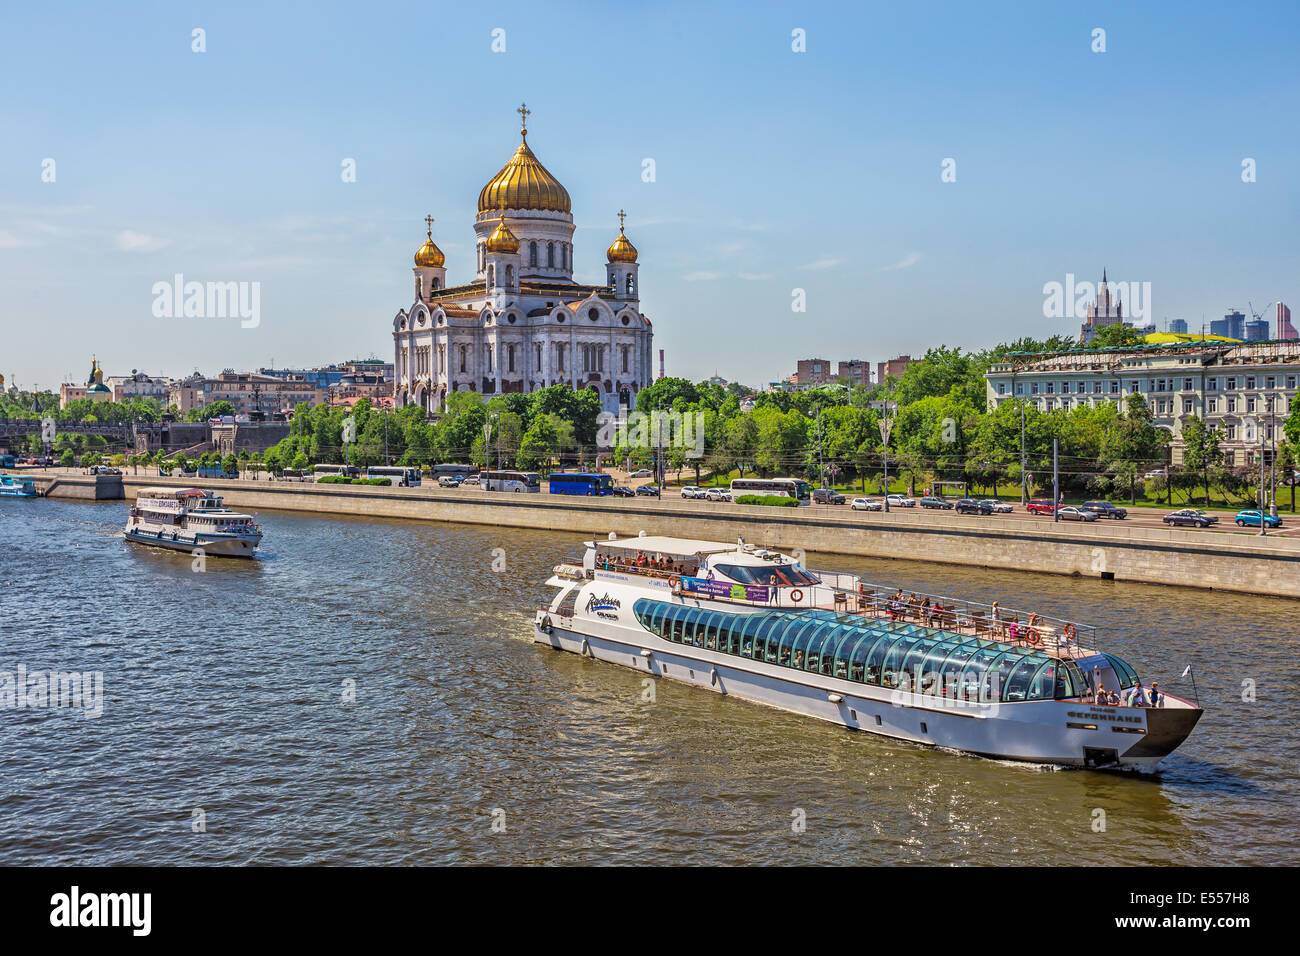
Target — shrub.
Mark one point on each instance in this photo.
(774, 501)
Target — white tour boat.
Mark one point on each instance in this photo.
(189, 519)
(754, 623)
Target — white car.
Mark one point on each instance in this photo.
(901, 501)
(718, 494)
(692, 491)
(449, 481)
(471, 480)
(866, 504)
(643, 473)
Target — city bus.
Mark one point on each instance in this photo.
(784, 487)
(510, 481)
(579, 483)
(404, 476)
(347, 471)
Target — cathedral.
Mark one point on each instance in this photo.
(522, 323)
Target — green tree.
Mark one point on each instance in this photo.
(1201, 450)
(1117, 336)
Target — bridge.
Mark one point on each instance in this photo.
(21, 427)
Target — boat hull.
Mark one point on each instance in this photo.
(1060, 733)
(227, 547)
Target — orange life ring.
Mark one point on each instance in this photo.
(796, 595)
(1069, 633)
(1031, 635)
(674, 581)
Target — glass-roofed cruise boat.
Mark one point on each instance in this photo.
(754, 623)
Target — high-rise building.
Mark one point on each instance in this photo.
(1231, 326)
(1257, 330)
(893, 367)
(856, 371)
(812, 372)
(1105, 310)
(1285, 330)
(1178, 326)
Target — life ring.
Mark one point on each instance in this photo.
(1068, 633)
(796, 595)
(674, 581)
(1031, 635)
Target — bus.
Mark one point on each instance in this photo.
(464, 471)
(579, 483)
(510, 481)
(347, 471)
(406, 477)
(795, 488)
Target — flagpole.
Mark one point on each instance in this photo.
(1191, 673)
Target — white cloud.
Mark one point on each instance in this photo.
(9, 241)
(703, 276)
(909, 260)
(824, 263)
(129, 241)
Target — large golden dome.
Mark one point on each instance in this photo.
(524, 183)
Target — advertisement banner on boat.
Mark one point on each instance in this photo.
(737, 592)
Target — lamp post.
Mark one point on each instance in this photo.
(886, 426)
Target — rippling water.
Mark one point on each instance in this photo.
(224, 693)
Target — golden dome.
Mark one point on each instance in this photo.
(429, 255)
(622, 249)
(524, 183)
(502, 239)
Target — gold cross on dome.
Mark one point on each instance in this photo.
(621, 215)
(429, 222)
(523, 111)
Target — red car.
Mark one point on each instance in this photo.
(1041, 506)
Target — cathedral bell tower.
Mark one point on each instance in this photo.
(621, 267)
(502, 258)
(430, 274)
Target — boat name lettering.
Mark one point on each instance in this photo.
(1104, 715)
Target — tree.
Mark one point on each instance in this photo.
(1201, 450)
(230, 464)
(1117, 336)
(68, 459)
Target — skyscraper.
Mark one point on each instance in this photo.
(1285, 330)
(1178, 326)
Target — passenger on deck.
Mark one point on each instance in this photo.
(1137, 697)
(1102, 699)
(1012, 630)
(1112, 698)
(1157, 698)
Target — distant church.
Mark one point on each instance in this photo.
(522, 323)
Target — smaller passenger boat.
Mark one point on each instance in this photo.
(11, 487)
(191, 519)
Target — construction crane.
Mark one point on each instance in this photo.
(1256, 316)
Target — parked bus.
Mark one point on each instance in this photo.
(578, 483)
(784, 487)
(510, 481)
(406, 477)
(464, 471)
(348, 471)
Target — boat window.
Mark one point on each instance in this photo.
(753, 623)
(1126, 675)
(794, 644)
(1017, 683)
(1042, 686)
(785, 575)
(765, 634)
(1078, 683)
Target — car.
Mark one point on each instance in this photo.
(1189, 518)
(1104, 509)
(471, 480)
(450, 481)
(826, 496)
(930, 501)
(692, 491)
(969, 506)
(643, 473)
(900, 501)
(1071, 513)
(999, 507)
(104, 470)
(718, 494)
(622, 491)
(1251, 518)
(1041, 506)
(866, 504)
(647, 491)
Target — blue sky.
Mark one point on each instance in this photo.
(775, 170)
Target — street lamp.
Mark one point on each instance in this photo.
(886, 426)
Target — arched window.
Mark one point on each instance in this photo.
(631, 284)
(564, 255)
(532, 253)
(510, 277)
(435, 283)
(492, 276)
(550, 255)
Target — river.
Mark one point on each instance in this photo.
(366, 691)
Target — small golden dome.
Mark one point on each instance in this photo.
(524, 183)
(429, 255)
(622, 249)
(502, 239)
